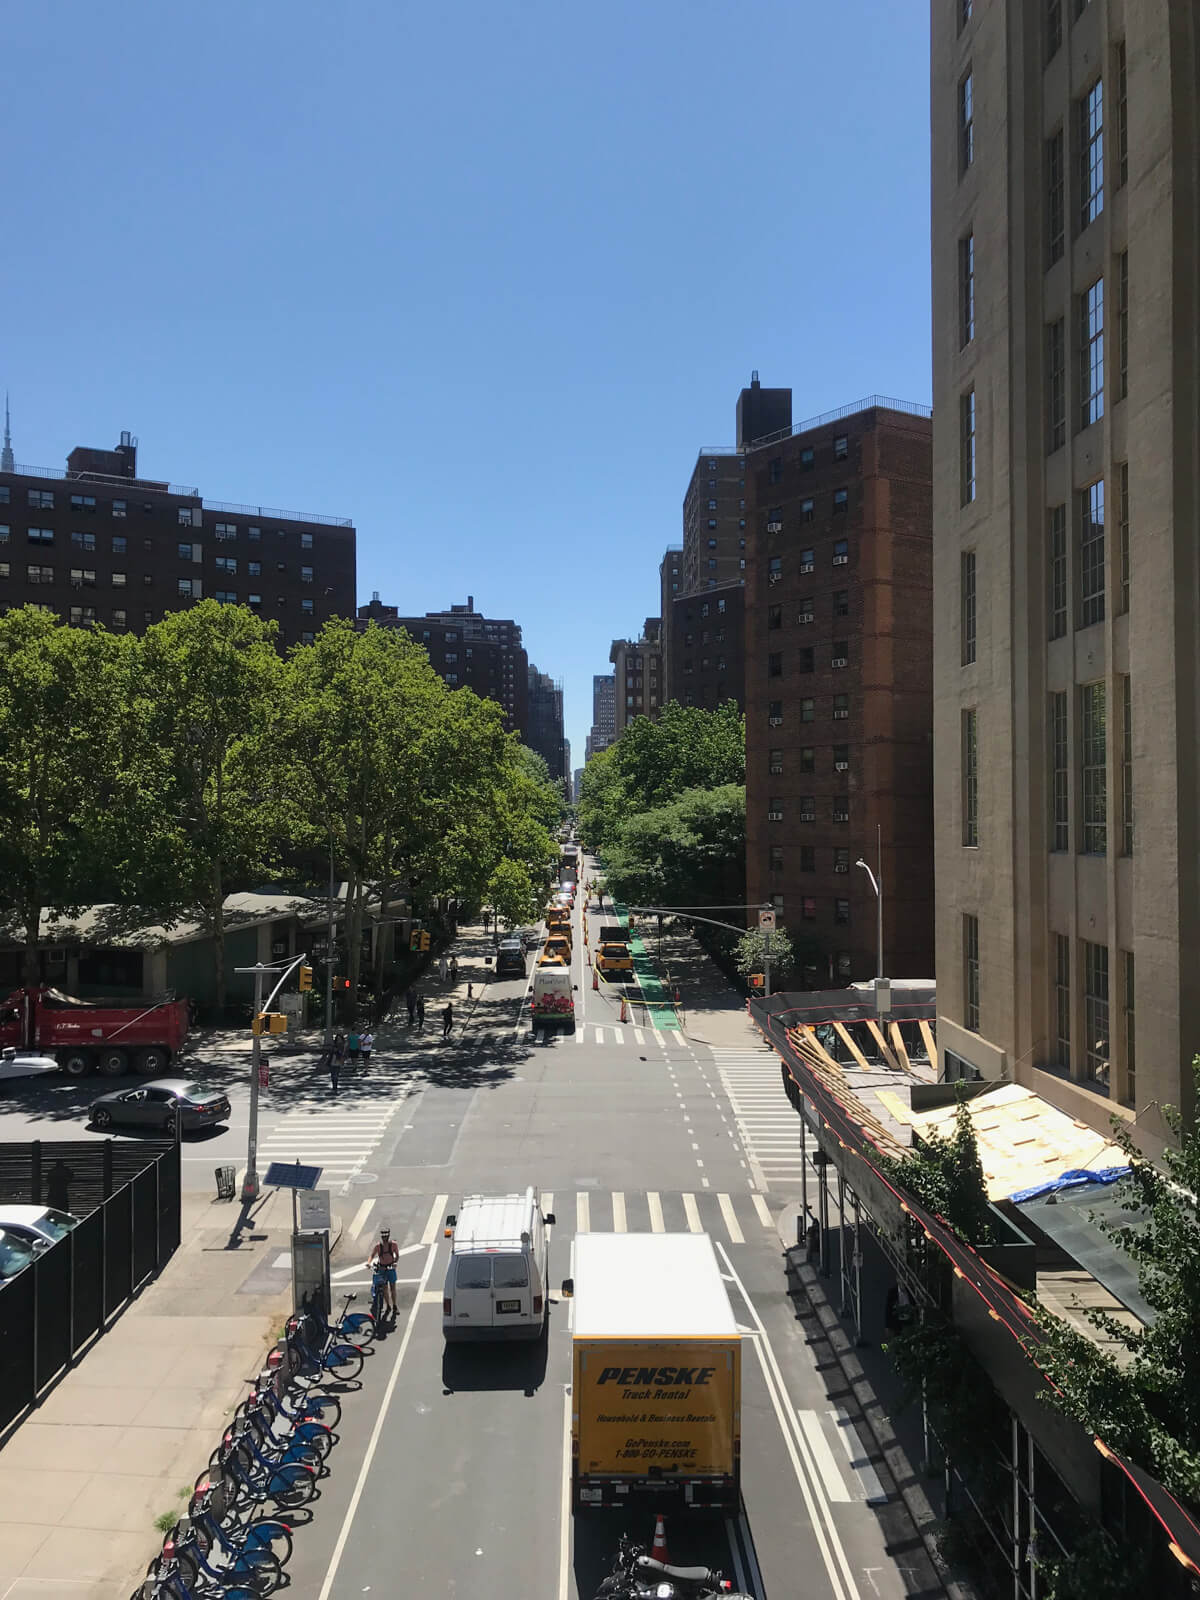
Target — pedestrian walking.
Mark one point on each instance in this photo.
(58, 1181)
(442, 968)
(410, 1000)
(353, 1043)
(453, 969)
(447, 1020)
(814, 1240)
(420, 1011)
(339, 1049)
(366, 1044)
(487, 920)
(333, 1066)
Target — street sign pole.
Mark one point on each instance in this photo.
(329, 955)
(250, 1181)
(767, 963)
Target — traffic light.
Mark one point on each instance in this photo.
(341, 983)
(414, 939)
(756, 980)
(269, 1022)
(306, 976)
(424, 939)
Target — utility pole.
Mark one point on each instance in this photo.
(250, 1181)
(879, 899)
(767, 964)
(329, 956)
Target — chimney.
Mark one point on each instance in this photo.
(470, 602)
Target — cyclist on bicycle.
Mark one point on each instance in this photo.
(383, 1260)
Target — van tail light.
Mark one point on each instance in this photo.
(446, 1305)
(537, 1304)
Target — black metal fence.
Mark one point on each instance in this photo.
(128, 1197)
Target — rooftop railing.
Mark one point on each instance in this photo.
(155, 486)
(871, 402)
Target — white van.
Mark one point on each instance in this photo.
(496, 1284)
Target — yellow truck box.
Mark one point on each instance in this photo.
(656, 1397)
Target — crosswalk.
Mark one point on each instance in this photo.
(339, 1140)
(626, 1034)
(735, 1219)
(769, 1128)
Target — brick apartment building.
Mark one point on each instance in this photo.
(839, 687)
(707, 662)
(98, 544)
(469, 651)
(639, 681)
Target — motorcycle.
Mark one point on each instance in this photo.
(637, 1576)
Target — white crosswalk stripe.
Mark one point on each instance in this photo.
(769, 1128)
(733, 1219)
(338, 1141)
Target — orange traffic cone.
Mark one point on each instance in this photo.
(658, 1550)
(625, 1018)
(595, 979)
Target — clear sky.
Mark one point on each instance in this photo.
(483, 278)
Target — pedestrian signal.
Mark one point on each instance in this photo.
(756, 980)
(424, 940)
(269, 1022)
(306, 976)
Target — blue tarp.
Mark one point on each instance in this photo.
(1075, 1179)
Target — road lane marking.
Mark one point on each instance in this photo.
(835, 1484)
(657, 1225)
(764, 1211)
(873, 1490)
(692, 1211)
(434, 1224)
(620, 1033)
(639, 1036)
(731, 1221)
(376, 1432)
(582, 1213)
(564, 1508)
(618, 1201)
(819, 1514)
(581, 1035)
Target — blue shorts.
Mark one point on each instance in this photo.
(388, 1274)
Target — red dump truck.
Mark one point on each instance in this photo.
(83, 1035)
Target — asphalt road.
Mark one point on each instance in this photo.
(451, 1474)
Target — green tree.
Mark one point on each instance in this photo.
(751, 955)
(685, 747)
(946, 1175)
(60, 707)
(602, 800)
(689, 852)
(205, 702)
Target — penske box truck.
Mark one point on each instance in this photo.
(656, 1397)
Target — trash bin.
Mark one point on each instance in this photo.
(225, 1182)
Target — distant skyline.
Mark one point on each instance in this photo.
(484, 282)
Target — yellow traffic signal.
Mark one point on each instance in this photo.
(424, 940)
(306, 977)
(269, 1022)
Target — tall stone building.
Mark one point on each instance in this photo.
(545, 728)
(1066, 295)
(839, 688)
(639, 682)
(603, 713)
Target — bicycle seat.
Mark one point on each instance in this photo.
(684, 1574)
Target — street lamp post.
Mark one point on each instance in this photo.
(877, 884)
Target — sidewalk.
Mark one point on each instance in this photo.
(120, 1439)
(713, 1012)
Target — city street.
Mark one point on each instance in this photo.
(453, 1468)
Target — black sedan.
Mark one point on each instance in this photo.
(154, 1105)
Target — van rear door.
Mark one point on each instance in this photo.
(511, 1292)
(472, 1302)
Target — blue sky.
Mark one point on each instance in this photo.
(483, 278)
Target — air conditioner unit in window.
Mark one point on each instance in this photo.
(774, 816)
(776, 722)
(841, 866)
(838, 661)
(840, 715)
(56, 957)
(841, 766)
(806, 566)
(808, 816)
(841, 816)
(774, 577)
(806, 616)
(841, 561)
(774, 527)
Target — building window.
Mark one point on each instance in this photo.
(4, 494)
(1130, 1034)
(83, 502)
(966, 444)
(841, 707)
(118, 544)
(841, 911)
(451, 655)
(1062, 1001)
(1093, 743)
(40, 499)
(807, 510)
(1056, 385)
(1091, 554)
(184, 552)
(808, 459)
(1123, 530)
(808, 710)
(254, 535)
(776, 858)
(970, 777)
(1091, 354)
(841, 602)
(84, 541)
(840, 653)
(185, 588)
(1054, 28)
(118, 580)
(1095, 1011)
(966, 122)
(967, 605)
(226, 563)
(1060, 776)
(808, 808)
(808, 758)
(40, 535)
(774, 569)
(225, 530)
(841, 758)
(1056, 548)
(254, 601)
(971, 973)
(39, 575)
(1126, 767)
(841, 858)
(712, 544)
(808, 858)
(966, 289)
(775, 469)
(808, 908)
(775, 809)
(775, 762)
(775, 664)
(306, 574)
(841, 808)
(225, 597)
(1122, 325)
(807, 560)
(306, 541)
(841, 447)
(1056, 197)
(183, 516)
(774, 616)
(119, 509)
(254, 569)
(119, 620)
(83, 578)
(1091, 154)
(806, 613)
(81, 616)
(1122, 128)
(841, 553)
(5, 569)
(720, 607)
(807, 659)
(841, 502)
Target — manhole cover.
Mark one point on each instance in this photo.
(364, 1177)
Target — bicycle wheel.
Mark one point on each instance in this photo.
(259, 1568)
(358, 1327)
(314, 1405)
(344, 1363)
(267, 1533)
(292, 1485)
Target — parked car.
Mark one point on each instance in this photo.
(153, 1105)
(15, 1255)
(24, 1063)
(37, 1226)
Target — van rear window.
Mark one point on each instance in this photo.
(511, 1272)
(474, 1272)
